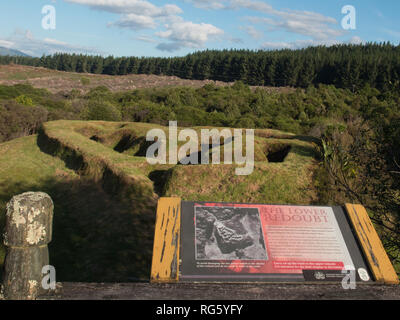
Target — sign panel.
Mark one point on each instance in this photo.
(258, 242)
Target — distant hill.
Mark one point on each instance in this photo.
(11, 52)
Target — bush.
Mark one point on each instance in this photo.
(23, 99)
(18, 120)
(59, 114)
(100, 93)
(246, 122)
(241, 86)
(73, 94)
(12, 92)
(148, 112)
(102, 110)
(190, 116)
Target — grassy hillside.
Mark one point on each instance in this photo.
(105, 192)
(56, 81)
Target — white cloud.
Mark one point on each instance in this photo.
(140, 7)
(6, 44)
(145, 39)
(252, 5)
(135, 22)
(178, 33)
(253, 32)
(55, 42)
(209, 4)
(170, 47)
(232, 5)
(187, 34)
(134, 14)
(318, 27)
(140, 14)
(306, 23)
(25, 42)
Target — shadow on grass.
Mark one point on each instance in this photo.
(96, 238)
(309, 139)
(305, 151)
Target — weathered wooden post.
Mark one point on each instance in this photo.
(29, 219)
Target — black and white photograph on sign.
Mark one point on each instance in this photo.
(227, 233)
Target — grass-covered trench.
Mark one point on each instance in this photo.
(105, 192)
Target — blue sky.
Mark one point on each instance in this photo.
(178, 27)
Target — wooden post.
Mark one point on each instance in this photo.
(29, 219)
(371, 244)
(165, 265)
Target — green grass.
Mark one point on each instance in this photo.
(105, 200)
(23, 168)
(289, 182)
(97, 236)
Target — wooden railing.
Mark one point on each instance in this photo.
(28, 231)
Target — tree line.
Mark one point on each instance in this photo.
(345, 66)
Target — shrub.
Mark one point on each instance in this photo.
(190, 116)
(18, 120)
(102, 110)
(12, 92)
(240, 86)
(25, 100)
(246, 122)
(73, 94)
(100, 93)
